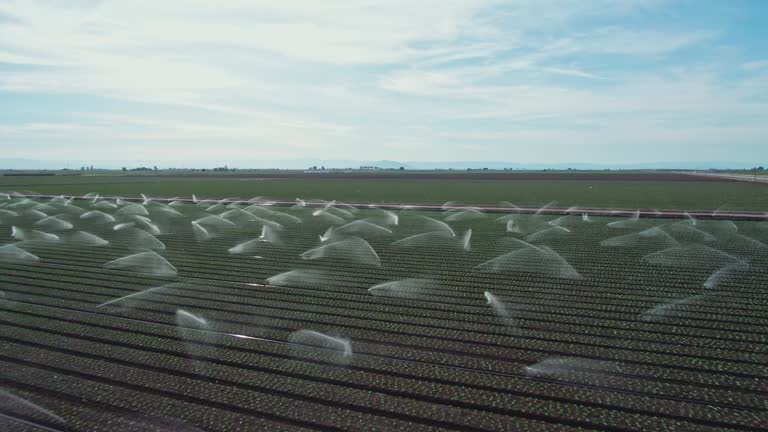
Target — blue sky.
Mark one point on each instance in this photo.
(550, 81)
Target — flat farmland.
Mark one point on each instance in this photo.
(241, 315)
(663, 191)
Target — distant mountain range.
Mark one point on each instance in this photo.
(30, 164)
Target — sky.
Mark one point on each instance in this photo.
(546, 81)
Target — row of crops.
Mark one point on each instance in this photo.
(241, 315)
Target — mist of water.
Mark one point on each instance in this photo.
(59, 201)
(548, 234)
(143, 262)
(8, 213)
(216, 208)
(725, 274)
(268, 238)
(545, 207)
(72, 210)
(97, 216)
(346, 207)
(574, 369)
(214, 225)
(631, 222)
(527, 225)
(82, 238)
(655, 236)
(332, 349)
(147, 224)
(197, 334)
(718, 228)
(466, 239)
(564, 221)
(669, 310)
(104, 205)
(411, 288)
(501, 309)
(748, 242)
(426, 240)
(131, 300)
(506, 218)
(124, 225)
(327, 235)
(362, 228)
(200, 233)
(328, 218)
(689, 232)
(342, 213)
(431, 224)
(35, 214)
(508, 244)
(258, 210)
(33, 236)
(11, 403)
(353, 249)
(285, 218)
(26, 203)
(690, 219)
(541, 260)
(187, 319)
(251, 247)
(509, 204)
(165, 211)
(45, 208)
(260, 222)
(132, 209)
(465, 215)
(135, 238)
(237, 216)
(383, 217)
(695, 255)
(206, 204)
(12, 253)
(300, 278)
(53, 223)
(257, 200)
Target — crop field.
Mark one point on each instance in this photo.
(648, 191)
(231, 315)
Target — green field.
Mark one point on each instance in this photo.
(691, 195)
(523, 323)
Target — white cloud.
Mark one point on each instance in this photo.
(356, 79)
(619, 40)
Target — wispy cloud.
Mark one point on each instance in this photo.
(364, 79)
(571, 72)
(758, 65)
